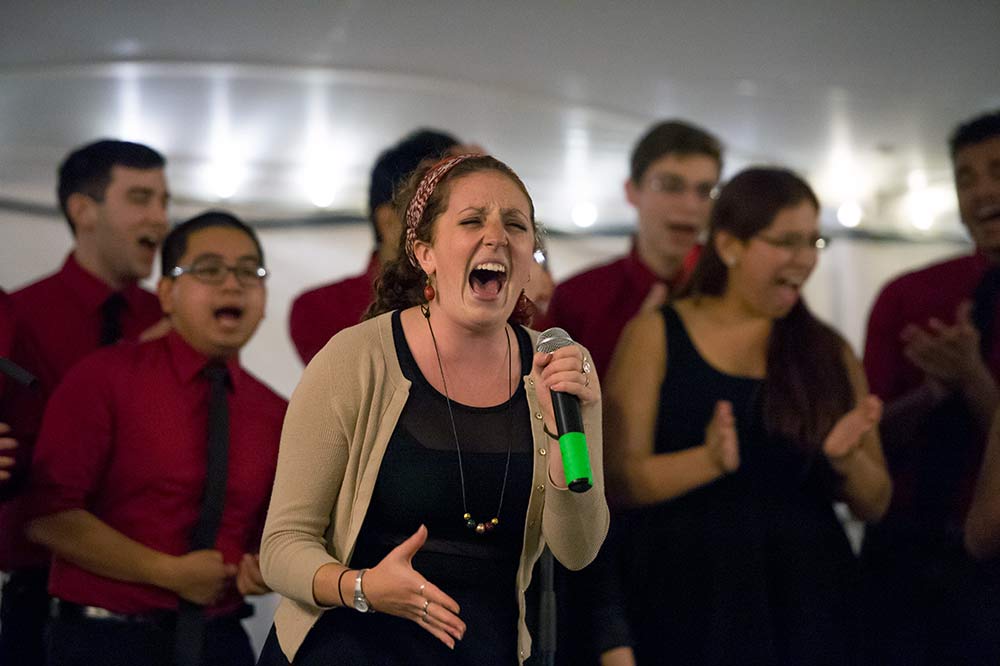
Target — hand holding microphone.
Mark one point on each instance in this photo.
(570, 378)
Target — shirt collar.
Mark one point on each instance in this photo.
(92, 290)
(642, 276)
(188, 362)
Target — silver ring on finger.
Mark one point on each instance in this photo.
(422, 586)
(423, 616)
(586, 382)
(427, 602)
(586, 368)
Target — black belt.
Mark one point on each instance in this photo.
(67, 610)
(32, 577)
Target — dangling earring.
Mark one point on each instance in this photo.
(429, 292)
(524, 310)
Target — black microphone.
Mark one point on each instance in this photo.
(17, 373)
(569, 421)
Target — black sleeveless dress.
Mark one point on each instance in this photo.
(419, 483)
(753, 568)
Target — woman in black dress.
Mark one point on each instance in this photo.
(734, 420)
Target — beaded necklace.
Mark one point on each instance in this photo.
(487, 526)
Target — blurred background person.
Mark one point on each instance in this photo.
(320, 313)
(153, 470)
(674, 169)
(7, 444)
(734, 420)
(931, 352)
(114, 196)
(416, 484)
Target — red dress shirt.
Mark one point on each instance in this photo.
(58, 323)
(594, 306)
(916, 297)
(125, 437)
(319, 314)
(6, 333)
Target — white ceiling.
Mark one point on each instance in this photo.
(278, 106)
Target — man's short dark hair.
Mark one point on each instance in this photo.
(175, 244)
(672, 137)
(396, 163)
(87, 170)
(973, 131)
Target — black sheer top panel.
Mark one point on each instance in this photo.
(419, 481)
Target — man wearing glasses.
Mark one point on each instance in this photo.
(675, 168)
(153, 470)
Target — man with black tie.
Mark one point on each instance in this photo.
(154, 467)
(114, 196)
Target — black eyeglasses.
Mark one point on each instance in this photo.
(668, 183)
(248, 273)
(794, 243)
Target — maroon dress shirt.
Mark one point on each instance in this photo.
(58, 323)
(594, 306)
(916, 297)
(6, 334)
(319, 314)
(125, 437)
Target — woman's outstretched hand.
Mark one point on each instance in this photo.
(393, 586)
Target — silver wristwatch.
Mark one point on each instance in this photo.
(360, 600)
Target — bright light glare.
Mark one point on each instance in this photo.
(917, 180)
(225, 176)
(923, 221)
(584, 214)
(849, 214)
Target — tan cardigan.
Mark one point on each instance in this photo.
(336, 431)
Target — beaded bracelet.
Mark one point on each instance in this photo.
(340, 590)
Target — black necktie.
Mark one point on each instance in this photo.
(191, 620)
(111, 319)
(984, 308)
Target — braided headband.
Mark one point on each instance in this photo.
(415, 209)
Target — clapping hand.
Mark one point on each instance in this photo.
(720, 438)
(948, 355)
(846, 434)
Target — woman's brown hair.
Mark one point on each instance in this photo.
(807, 388)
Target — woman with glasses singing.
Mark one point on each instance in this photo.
(734, 420)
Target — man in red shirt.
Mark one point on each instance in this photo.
(673, 173)
(7, 444)
(675, 168)
(123, 468)
(320, 313)
(113, 195)
(933, 355)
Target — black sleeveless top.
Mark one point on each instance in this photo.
(419, 483)
(753, 568)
